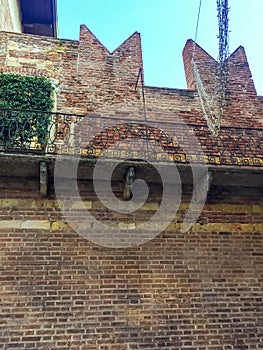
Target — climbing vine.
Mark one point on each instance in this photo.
(20, 99)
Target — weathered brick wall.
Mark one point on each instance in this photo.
(196, 290)
(86, 75)
(91, 79)
(243, 107)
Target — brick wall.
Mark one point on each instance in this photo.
(243, 107)
(91, 79)
(86, 74)
(196, 290)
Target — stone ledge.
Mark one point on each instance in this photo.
(25, 224)
(62, 225)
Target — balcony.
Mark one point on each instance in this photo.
(93, 136)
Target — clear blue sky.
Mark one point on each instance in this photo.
(165, 25)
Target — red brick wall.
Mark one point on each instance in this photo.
(91, 79)
(196, 290)
(243, 106)
(86, 74)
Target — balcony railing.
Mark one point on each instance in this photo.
(95, 135)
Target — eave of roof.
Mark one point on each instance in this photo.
(39, 17)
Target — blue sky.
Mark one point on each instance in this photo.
(165, 25)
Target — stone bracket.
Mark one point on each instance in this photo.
(128, 181)
(204, 184)
(43, 179)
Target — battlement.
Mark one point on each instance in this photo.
(89, 78)
(239, 74)
(87, 75)
(179, 266)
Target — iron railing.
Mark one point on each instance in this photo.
(95, 135)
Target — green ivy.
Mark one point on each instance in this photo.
(20, 99)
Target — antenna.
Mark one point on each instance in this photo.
(222, 72)
(212, 106)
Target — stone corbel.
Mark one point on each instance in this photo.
(203, 186)
(128, 181)
(43, 179)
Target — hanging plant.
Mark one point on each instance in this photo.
(20, 99)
